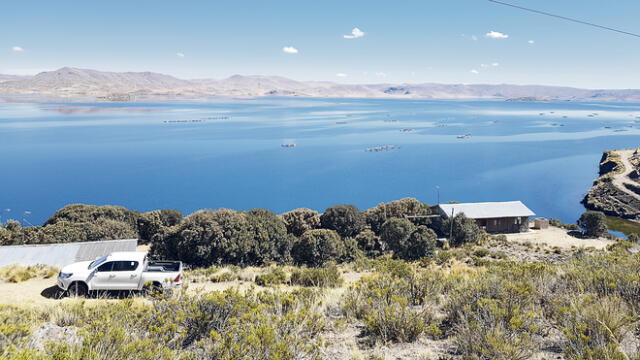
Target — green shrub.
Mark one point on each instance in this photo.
(300, 220)
(593, 224)
(328, 276)
(346, 220)
(275, 276)
(318, 247)
(377, 215)
(461, 230)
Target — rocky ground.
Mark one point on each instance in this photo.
(616, 192)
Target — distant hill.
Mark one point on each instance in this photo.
(74, 82)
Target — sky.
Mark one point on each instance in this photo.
(448, 41)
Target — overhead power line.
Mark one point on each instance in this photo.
(564, 18)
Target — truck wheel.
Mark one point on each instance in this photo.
(77, 289)
(152, 289)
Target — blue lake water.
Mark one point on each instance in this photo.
(145, 156)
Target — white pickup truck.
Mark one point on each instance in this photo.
(120, 271)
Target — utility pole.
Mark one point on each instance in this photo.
(451, 231)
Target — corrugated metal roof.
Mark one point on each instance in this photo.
(62, 254)
(487, 210)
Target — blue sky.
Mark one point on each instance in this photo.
(404, 41)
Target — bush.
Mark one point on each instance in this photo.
(318, 247)
(595, 328)
(154, 225)
(275, 276)
(208, 237)
(422, 243)
(376, 216)
(19, 273)
(300, 220)
(406, 240)
(346, 220)
(593, 224)
(391, 303)
(370, 244)
(321, 277)
(395, 233)
(465, 230)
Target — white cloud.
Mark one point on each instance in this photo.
(355, 33)
(341, 75)
(381, 74)
(474, 71)
(496, 35)
(179, 54)
(474, 38)
(495, 64)
(531, 42)
(484, 65)
(290, 50)
(17, 49)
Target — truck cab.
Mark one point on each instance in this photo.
(120, 271)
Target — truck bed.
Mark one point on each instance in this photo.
(163, 266)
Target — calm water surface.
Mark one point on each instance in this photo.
(228, 153)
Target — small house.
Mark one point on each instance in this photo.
(493, 217)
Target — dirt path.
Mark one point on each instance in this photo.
(620, 179)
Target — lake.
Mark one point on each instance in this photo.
(191, 155)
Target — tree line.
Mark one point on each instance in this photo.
(302, 236)
(255, 237)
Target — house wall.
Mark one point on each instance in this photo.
(504, 225)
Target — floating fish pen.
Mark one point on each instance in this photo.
(216, 118)
(184, 121)
(382, 148)
(290, 145)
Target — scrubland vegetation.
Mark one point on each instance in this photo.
(18, 273)
(464, 303)
(344, 284)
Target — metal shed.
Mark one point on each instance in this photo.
(62, 254)
(493, 217)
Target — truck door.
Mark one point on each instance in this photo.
(103, 277)
(126, 275)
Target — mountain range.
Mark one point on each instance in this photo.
(74, 82)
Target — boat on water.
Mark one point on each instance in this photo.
(465, 136)
(288, 145)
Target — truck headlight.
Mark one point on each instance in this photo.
(64, 275)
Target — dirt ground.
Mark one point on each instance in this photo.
(554, 236)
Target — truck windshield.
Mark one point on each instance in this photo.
(97, 262)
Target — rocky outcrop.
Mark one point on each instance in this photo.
(611, 195)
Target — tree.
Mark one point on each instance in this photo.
(81, 213)
(396, 233)
(370, 243)
(300, 220)
(346, 220)
(593, 224)
(377, 215)
(270, 239)
(422, 243)
(318, 247)
(465, 230)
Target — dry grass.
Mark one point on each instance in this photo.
(19, 273)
